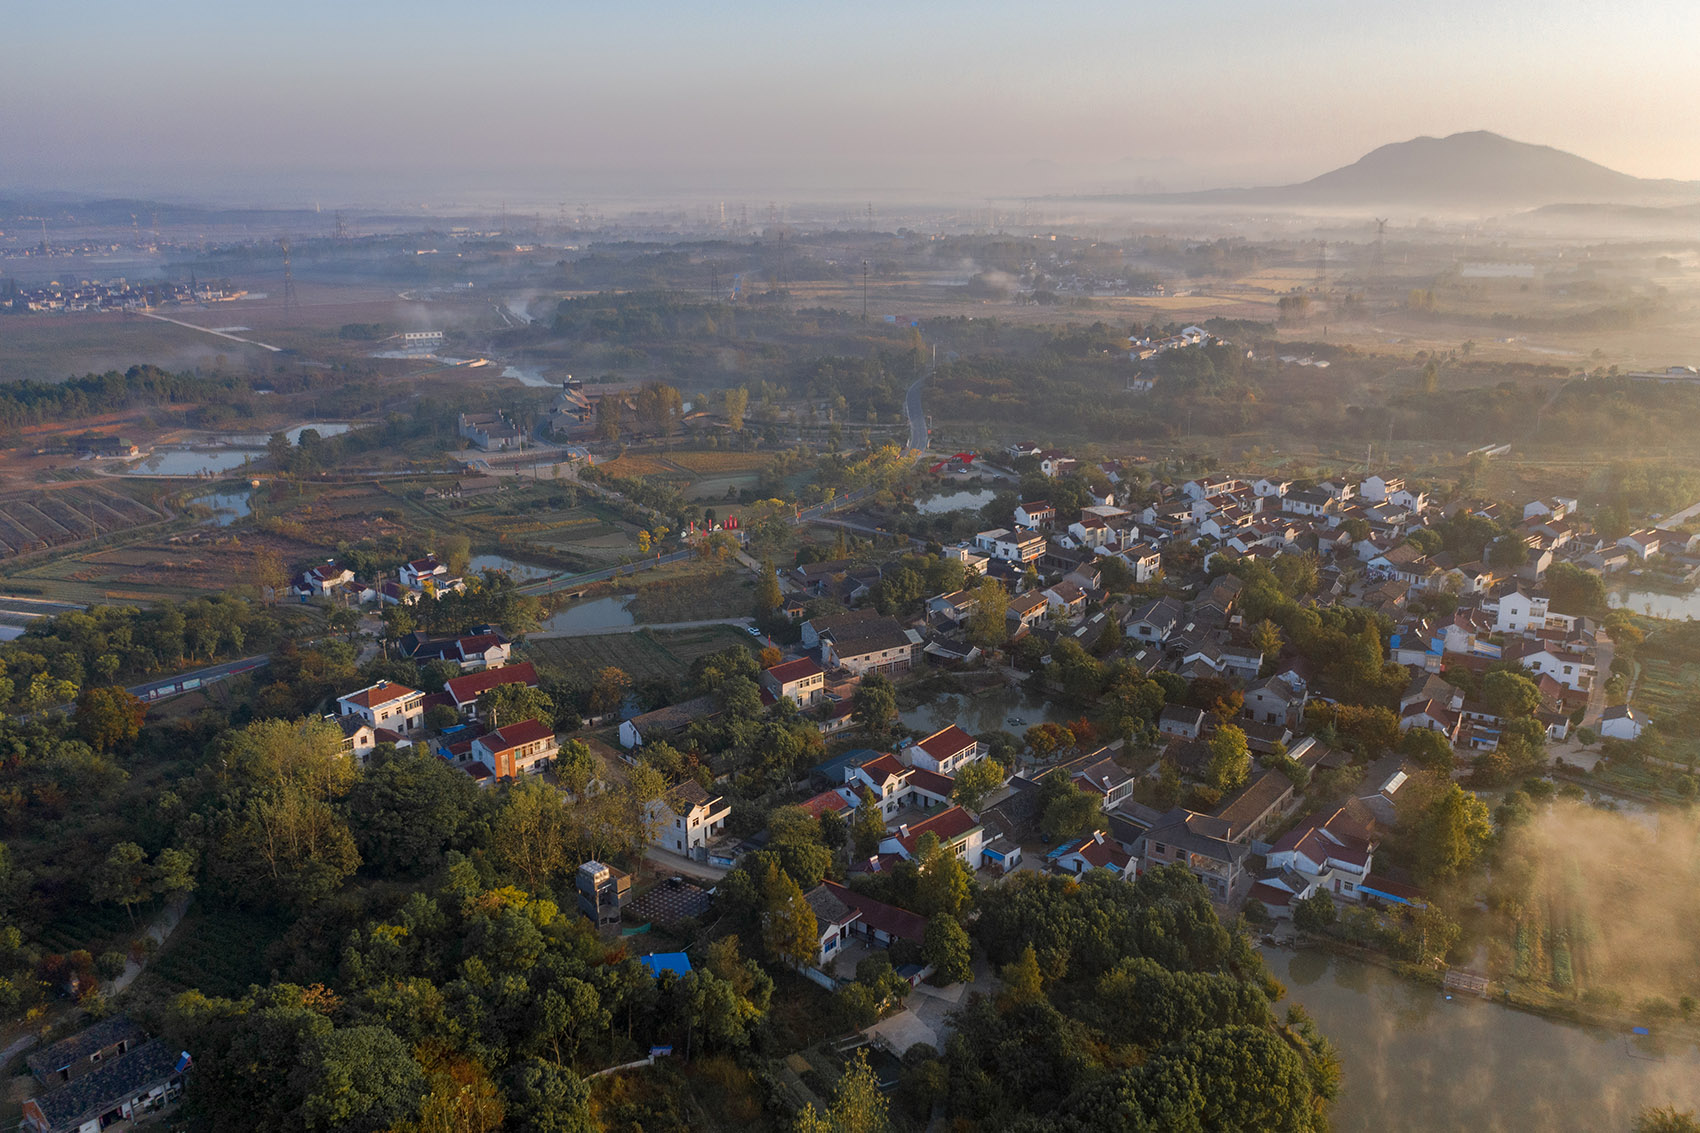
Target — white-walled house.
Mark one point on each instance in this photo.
(686, 819)
(1622, 723)
(945, 751)
(385, 705)
(1518, 612)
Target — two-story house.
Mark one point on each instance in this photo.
(1334, 851)
(516, 749)
(1200, 844)
(384, 705)
(686, 819)
(957, 831)
(464, 691)
(803, 681)
(945, 751)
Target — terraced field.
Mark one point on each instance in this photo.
(52, 519)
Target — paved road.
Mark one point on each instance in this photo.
(667, 864)
(917, 416)
(212, 674)
(869, 529)
(609, 631)
(1604, 651)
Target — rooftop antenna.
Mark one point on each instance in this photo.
(291, 302)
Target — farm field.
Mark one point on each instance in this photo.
(1666, 691)
(52, 348)
(219, 953)
(644, 656)
(696, 595)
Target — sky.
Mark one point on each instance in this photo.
(385, 102)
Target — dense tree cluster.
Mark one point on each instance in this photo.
(1128, 1007)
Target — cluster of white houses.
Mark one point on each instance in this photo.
(414, 580)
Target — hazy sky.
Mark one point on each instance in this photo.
(417, 100)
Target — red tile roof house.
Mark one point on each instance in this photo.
(885, 777)
(803, 680)
(385, 705)
(464, 691)
(1097, 851)
(955, 829)
(517, 749)
(879, 922)
(945, 751)
(1334, 851)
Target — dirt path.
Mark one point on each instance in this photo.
(164, 923)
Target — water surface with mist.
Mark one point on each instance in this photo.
(1415, 1061)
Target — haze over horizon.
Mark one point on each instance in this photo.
(387, 103)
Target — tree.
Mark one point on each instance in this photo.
(576, 766)
(173, 871)
(1067, 810)
(875, 704)
(1314, 914)
(789, 931)
(1266, 639)
(858, 1105)
(768, 595)
(943, 883)
(1428, 748)
(976, 780)
(123, 878)
(107, 718)
(945, 946)
(529, 834)
(1450, 833)
(1510, 693)
(988, 625)
(608, 418)
(511, 704)
(408, 810)
(609, 690)
(795, 836)
(358, 1079)
(867, 826)
(1230, 758)
(735, 400)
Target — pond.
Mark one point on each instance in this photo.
(184, 462)
(518, 571)
(967, 499)
(526, 376)
(227, 507)
(598, 613)
(1658, 603)
(323, 428)
(978, 715)
(1413, 1060)
(11, 632)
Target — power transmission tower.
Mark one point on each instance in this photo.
(340, 235)
(870, 221)
(1322, 268)
(291, 302)
(1380, 237)
(864, 291)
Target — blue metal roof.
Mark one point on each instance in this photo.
(657, 962)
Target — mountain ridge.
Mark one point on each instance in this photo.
(1473, 169)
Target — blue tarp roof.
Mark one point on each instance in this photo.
(657, 962)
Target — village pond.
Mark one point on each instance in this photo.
(226, 507)
(1677, 606)
(1411, 1059)
(598, 613)
(1001, 710)
(967, 499)
(516, 570)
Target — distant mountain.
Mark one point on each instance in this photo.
(1473, 171)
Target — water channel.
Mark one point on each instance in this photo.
(227, 507)
(516, 570)
(1413, 1060)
